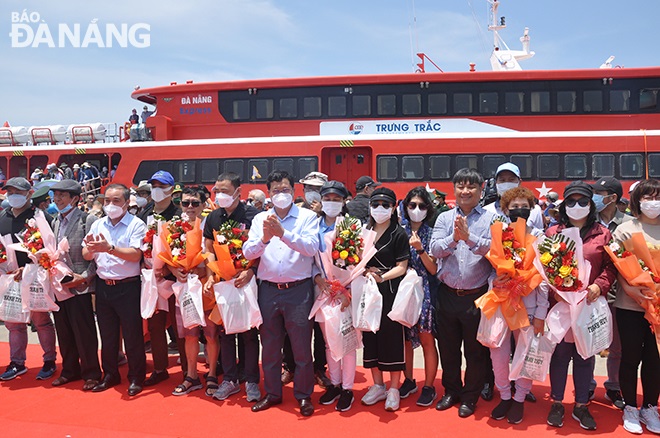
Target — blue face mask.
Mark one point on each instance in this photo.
(65, 210)
(598, 202)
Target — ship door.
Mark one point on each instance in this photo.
(347, 164)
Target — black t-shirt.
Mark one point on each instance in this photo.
(171, 211)
(243, 215)
(393, 246)
(16, 225)
(359, 207)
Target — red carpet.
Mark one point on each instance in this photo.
(31, 408)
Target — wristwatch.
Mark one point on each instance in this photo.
(112, 249)
(420, 251)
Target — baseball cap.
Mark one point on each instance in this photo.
(552, 196)
(68, 185)
(315, 179)
(143, 186)
(162, 177)
(365, 181)
(632, 188)
(510, 167)
(19, 183)
(579, 187)
(610, 184)
(383, 194)
(334, 187)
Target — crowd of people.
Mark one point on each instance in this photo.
(445, 246)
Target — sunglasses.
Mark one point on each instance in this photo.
(582, 202)
(413, 205)
(191, 203)
(383, 204)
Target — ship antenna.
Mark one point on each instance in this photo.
(503, 58)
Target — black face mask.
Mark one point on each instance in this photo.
(515, 213)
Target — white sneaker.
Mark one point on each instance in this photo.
(631, 420)
(649, 416)
(375, 394)
(393, 399)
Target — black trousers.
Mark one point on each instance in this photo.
(458, 321)
(118, 307)
(157, 326)
(76, 335)
(320, 360)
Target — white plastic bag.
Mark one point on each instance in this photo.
(494, 331)
(36, 290)
(558, 321)
(148, 294)
(407, 304)
(238, 306)
(11, 307)
(367, 304)
(532, 357)
(592, 328)
(189, 297)
(340, 335)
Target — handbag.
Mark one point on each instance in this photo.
(238, 306)
(189, 296)
(11, 302)
(494, 331)
(407, 304)
(367, 304)
(531, 359)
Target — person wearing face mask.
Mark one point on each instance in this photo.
(312, 183)
(517, 203)
(74, 322)
(385, 349)
(114, 243)
(638, 343)
(285, 239)
(258, 199)
(359, 206)
(418, 210)
(143, 198)
(12, 222)
(578, 210)
(461, 239)
(227, 191)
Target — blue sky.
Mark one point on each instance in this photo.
(220, 40)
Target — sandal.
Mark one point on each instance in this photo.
(211, 385)
(183, 388)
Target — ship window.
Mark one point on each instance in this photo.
(592, 101)
(440, 166)
(488, 103)
(619, 100)
(491, 163)
(186, 171)
(209, 170)
(413, 167)
(336, 106)
(289, 108)
(387, 168)
(306, 165)
(463, 103)
(654, 165)
(469, 161)
(258, 169)
(575, 166)
(437, 103)
(548, 166)
(540, 101)
(18, 167)
(234, 166)
(514, 102)
(602, 165)
(648, 98)
(312, 106)
(264, 108)
(285, 164)
(241, 110)
(566, 101)
(167, 166)
(631, 165)
(524, 163)
(386, 105)
(361, 105)
(412, 104)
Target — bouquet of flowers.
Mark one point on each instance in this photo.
(155, 290)
(152, 231)
(228, 243)
(347, 244)
(511, 253)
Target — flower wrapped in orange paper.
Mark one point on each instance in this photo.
(155, 289)
(512, 254)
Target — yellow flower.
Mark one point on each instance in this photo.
(36, 235)
(565, 271)
(345, 233)
(356, 258)
(238, 243)
(343, 255)
(507, 244)
(546, 258)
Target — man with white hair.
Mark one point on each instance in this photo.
(257, 199)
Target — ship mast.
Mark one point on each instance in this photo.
(503, 58)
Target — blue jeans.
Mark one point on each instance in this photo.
(583, 371)
(18, 337)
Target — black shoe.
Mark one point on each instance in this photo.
(583, 416)
(408, 387)
(515, 414)
(321, 379)
(287, 377)
(446, 402)
(466, 409)
(592, 394)
(107, 383)
(530, 397)
(427, 397)
(615, 397)
(267, 402)
(501, 410)
(556, 415)
(172, 347)
(306, 407)
(345, 400)
(134, 389)
(157, 377)
(331, 394)
(487, 392)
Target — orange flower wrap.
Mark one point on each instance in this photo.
(194, 254)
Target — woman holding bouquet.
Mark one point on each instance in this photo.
(578, 210)
(638, 342)
(384, 350)
(417, 206)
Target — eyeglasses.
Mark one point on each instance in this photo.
(413, 205)
(194, 204)
(583, 202)
(383, 204)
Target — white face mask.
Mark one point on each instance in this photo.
(159, 194)
(650, 209)
(577, 213)
(312, 197)
(282, 200)
(113, 211)
(503, 187)
(16, 200)
(224, 200)
(417, 215)
(140, 201)
(381, 214)
(332, 208)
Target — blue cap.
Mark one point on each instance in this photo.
(162, 177)
(510, 167)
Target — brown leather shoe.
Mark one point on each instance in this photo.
(90, 384)
(306, 407)
(266, 403)
(61, 381)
